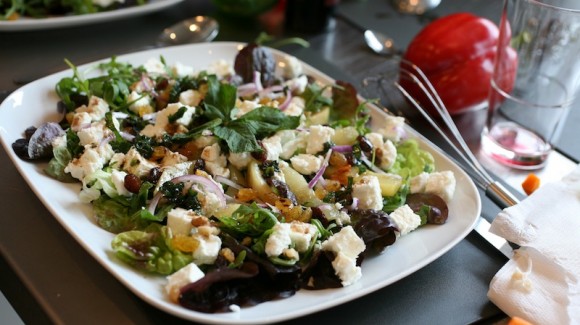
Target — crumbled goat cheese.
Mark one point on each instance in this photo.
(92, 159)
(367, 190)
(179, 221)
(184, 276)
(346, 245)
(385, 150)
(136, 164)
(215, 162)
(190, 97)
(297, 234)
(240, 160)
(162, 119)
(393, 128)
(140, 103)
(306, 164)
(273, 147)
(405, 219)
(319, 135)
(439, 183)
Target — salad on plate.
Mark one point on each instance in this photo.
(240, 183)
(16, 9)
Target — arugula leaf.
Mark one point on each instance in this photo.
(179, 114)
(315, 101)
(73, 144)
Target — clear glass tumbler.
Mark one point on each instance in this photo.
(535, 78)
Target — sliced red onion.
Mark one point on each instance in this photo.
(247, 90)
(342, 148)
(228, 182)
(207, 183)
(106, 140)
(230, 199)
(287, 101)
(372, 166)
(120, 115)
(154, 201)
(146, 82)
(354, 204)
(271, 92)
(257, 81)
(127, 136)
(319, 173)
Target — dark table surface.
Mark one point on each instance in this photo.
(48, 277)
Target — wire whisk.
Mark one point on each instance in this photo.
(411, 74)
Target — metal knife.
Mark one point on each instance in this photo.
(482, 228)
(503, 198)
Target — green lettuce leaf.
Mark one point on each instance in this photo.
(248, 220)
(150, 250)
(411, 160)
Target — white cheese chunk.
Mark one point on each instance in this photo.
(118, 179)
(385, 150)
(94, 134)
(367, 190)
(154, 66)
(221, 68)
(441, 183)
(92, 160)
(170, 172)
(292, 142)
(291, 67)
(405, 219)
(306, 164)
(240, 160)
(295, 107)
(346, 245)
(393, 128)
(297, 234)
(182, 70)
(140, 103)
(319, 135)
(273, 147)
(179, 221)
(136, 164)
(162, 119)
(215, 161)
(190, 97)
(208, 248)
(184, 276)
(245, 106)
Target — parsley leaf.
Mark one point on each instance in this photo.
(239, 137)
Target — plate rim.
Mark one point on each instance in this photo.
(113, 267)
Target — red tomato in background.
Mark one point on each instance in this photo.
(457, 54)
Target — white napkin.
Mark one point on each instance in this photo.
(541, 283)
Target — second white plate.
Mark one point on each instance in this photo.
(25, 24)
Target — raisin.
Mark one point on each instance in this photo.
(132, 183)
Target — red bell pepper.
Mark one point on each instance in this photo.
(457, 54)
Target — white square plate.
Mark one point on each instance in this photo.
(35, 104)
